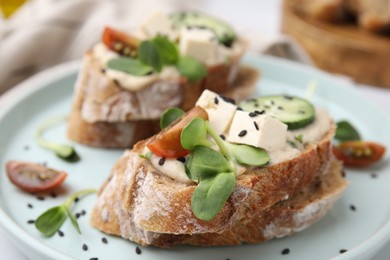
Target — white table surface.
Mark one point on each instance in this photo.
(263, 18)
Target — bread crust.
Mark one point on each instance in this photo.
(152, 209)
(141, 124)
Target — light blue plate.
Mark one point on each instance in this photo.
(49, 94)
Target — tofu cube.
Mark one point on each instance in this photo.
(199, 44)
(219, 111)
(159, 24)
(260, 131)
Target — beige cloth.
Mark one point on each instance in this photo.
(44, 33)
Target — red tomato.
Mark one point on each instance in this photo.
(32, 177)
(118, 41)
(167, 143)
(358, 153)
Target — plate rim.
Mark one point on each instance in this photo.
(13, 96)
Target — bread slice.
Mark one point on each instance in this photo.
(140, 204)
(143, 108)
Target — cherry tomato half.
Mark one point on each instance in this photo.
(358, 153)
(32, 177)
(167, 142)
(119, 41)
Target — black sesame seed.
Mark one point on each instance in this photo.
(93, 258)
(239, 109)
(242, 133)
(30, 205)
(229, 100)
(117, 83)
(103, 70)
(256, 126)
(26, 147)
(161, 161)
(253, 114)
(77, 215)
(76, 199)
(267, 107)
(40, 198)
(60, 233)
(343, 173)
(288, 97)
(256, 105)
(53, 195)
(280, 107)
(272, 102)
(104, 240)
(222, 137)
(138, 250)
(83, 212)
(301, 112)
(259, 112)
(44, 164)
(343, 251)
(252, 100)
(181, 159)
(285, 251)
(374, 175)
(352, 207)
(216, 101)
(85, 247)
(31, 221)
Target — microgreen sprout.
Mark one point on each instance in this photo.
(214, 170)
(51, 220)
(345, 131)
(169, 116)
(299, 138)
(63, 151)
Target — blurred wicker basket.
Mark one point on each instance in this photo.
(340, 48)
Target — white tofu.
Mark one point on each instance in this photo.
(199, 44)
(159, 23)
(260, 131)
(171, 168)
(221, 114)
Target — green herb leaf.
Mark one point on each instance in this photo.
(168, 50)
(190, 68)
(211, 194)
(63, 151)
(299, 138)
(204, 162)
(248, 155)
(194, 133)
(169, 116)
(130, 66)
(346, 132)
(149, 53)
(146, 155)
(73, 220)
(51, 220)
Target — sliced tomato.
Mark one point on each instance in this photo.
(33, 177)
(358, 153)
(167, 142)
(119, 41)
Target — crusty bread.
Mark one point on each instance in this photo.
(146, 105)
(144, 206)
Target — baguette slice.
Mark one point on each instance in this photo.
(142, 205)
(143, 107)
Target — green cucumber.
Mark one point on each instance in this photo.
(222, 30)
(294, 111)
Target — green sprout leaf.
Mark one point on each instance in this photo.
(194, 133)
(190, 68)
(299, 138)
(169, 116)
(346, 132)
(248, 155)
(149, 54)
(130, 66)
(204, 162)
(51, 220)
(146, 155)
(167, 49)
(211, 194)
(63, 151)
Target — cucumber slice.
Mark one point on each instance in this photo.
(222, 30)
(294, 111)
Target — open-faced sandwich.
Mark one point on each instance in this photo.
(223, 174)
(129, 79)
